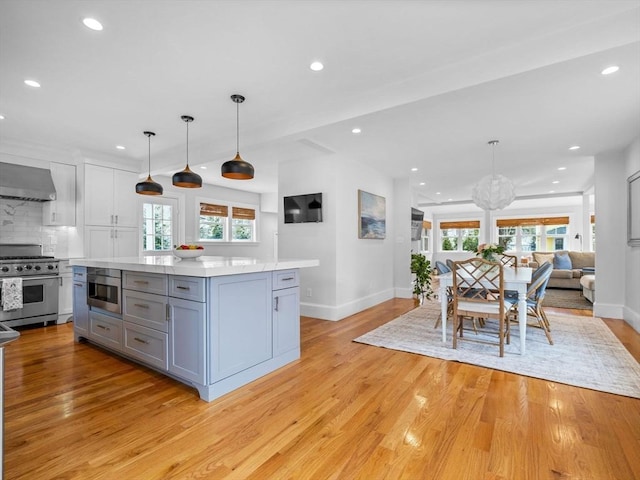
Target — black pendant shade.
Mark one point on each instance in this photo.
(237, 169)
(186, 178)
(149, 187)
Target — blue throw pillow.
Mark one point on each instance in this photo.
(561, 261)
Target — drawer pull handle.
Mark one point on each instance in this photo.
(182, 288)
(103, 327)
(77, 285)
(288, 279)
(141, 305)
(141, 340)
(144, 282)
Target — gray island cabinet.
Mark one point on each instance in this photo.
(215, 323)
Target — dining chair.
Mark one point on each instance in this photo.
(441, 268)
(535, 296)
(508, 260)
(478, 291)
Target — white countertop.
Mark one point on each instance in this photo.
(205, 266)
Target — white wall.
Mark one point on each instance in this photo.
(354, 273)
(611, 235)
(632, 254)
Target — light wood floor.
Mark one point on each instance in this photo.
(343, 411)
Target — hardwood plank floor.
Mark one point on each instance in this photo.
(343, 411)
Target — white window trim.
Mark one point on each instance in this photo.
(227, 231)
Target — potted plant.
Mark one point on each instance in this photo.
(421, 268)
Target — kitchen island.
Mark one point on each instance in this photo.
(215, 323)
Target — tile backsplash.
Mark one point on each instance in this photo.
(21, 222)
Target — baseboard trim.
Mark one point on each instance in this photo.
(608, 310)
(632, 318)
(335, 313)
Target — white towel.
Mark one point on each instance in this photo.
(11, 293)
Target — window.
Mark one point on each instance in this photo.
(593, 233)
(157, 227)
(426, 236)
(533, 234)
(217, 226)
(460, 236)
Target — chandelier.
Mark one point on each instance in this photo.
(495, 191)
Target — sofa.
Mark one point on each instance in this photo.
(568, 267)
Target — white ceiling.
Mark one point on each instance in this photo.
(428, 82)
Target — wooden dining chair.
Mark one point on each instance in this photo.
(508, 260)
(535, 296)
(478, 292)
(441, 268)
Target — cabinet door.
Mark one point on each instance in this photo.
(125, 242)
(65, 298)
(99, 195)
(145, 309)
(61, 211)
(126, 208)
(98, 242)
(80, 310)
(187, 340)
(241, 323)
(286, 320)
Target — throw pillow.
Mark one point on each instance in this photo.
(561, 261)
(541, 258)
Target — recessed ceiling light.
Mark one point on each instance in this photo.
(356, 130)
(92, 23)
(203, 167)
(316, 66)
(32, 83)
(555, 181)
(421, 184)
(610, 70)
(574, 147)
(449, 199)
(120, 147)
(552, 191)
(562, 168)
(414, 169)
(437, 193)
(1, 117)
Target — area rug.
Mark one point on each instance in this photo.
(565, 298)
(585, 352)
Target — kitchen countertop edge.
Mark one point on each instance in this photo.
(205, 266)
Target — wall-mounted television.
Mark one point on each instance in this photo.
(303, 208)
(417, 216)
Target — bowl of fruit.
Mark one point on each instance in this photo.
(188, 252)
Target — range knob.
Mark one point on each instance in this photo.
(38, 267)
(50, 267)
(19, 269)
(5, 269)
(29, 267)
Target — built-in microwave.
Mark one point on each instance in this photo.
(104, 287)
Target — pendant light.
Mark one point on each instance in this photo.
(237, 169)
(495, 191)
(186, 178)
(149, 187)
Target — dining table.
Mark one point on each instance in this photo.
(517, 279)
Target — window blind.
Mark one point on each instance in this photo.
(426, 224)
(243, 213)
(529, 222)
(593, 219)
(211, 210)
(464, 224)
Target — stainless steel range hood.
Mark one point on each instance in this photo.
(26, 183)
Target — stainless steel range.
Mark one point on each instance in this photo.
(40, 284)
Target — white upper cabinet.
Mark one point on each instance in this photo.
(62, 210)
(110, 197)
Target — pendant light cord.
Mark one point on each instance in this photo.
(187, 144)
(237, 128)
(149, 138)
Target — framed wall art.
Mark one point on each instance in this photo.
(371, 215)
(633, 210)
